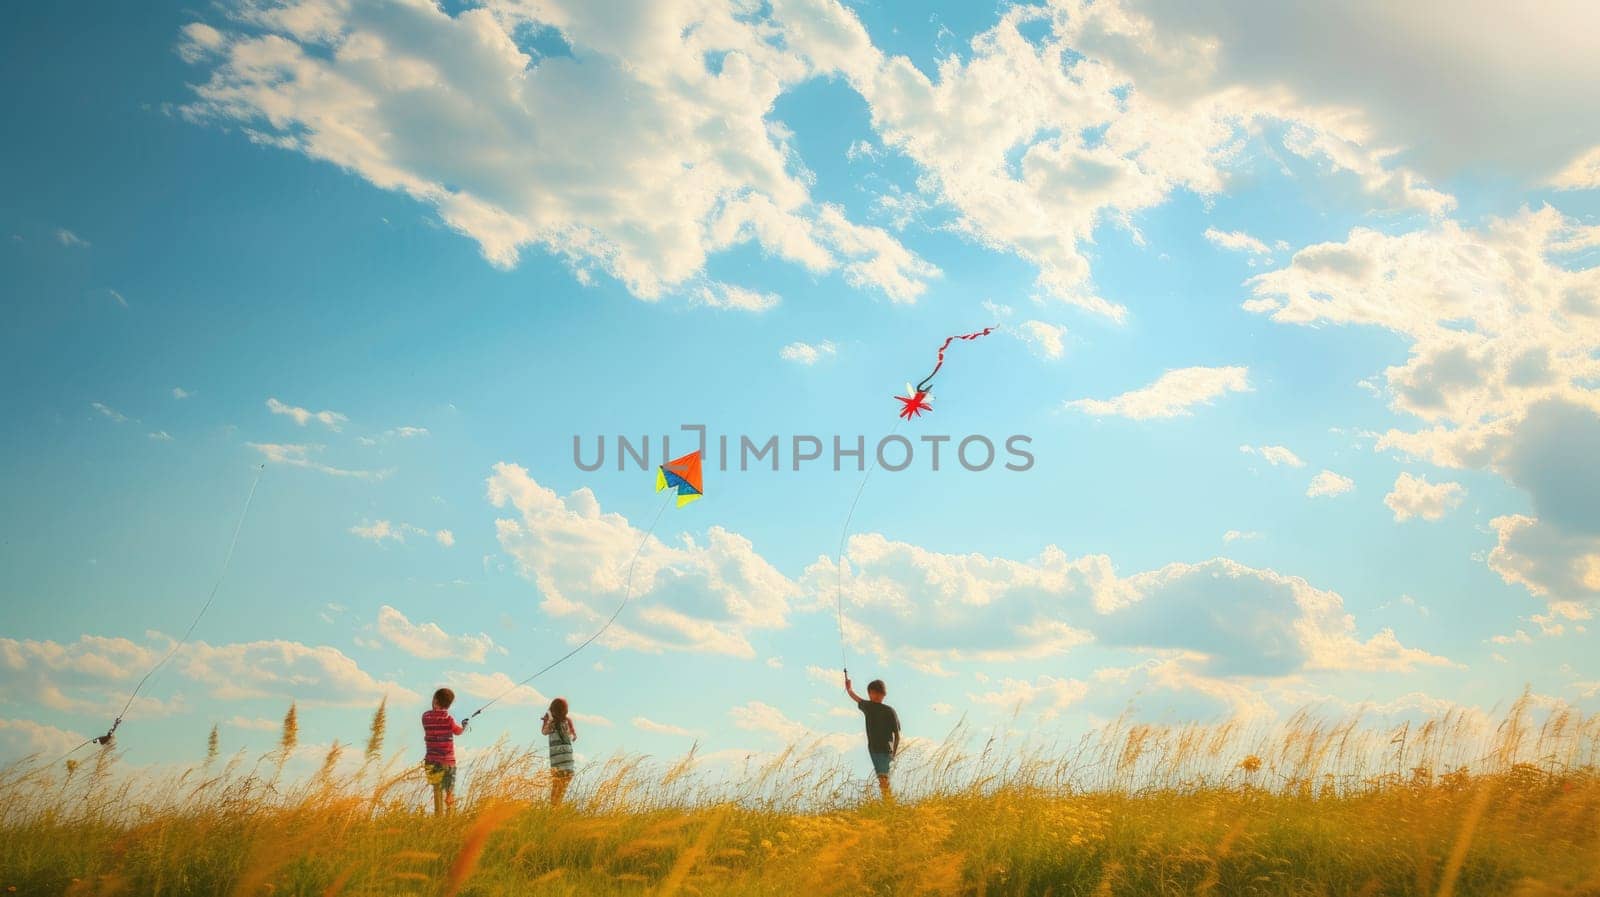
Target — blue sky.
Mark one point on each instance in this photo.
(1306, 349)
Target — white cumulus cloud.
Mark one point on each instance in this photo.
(644, 724)
(636, 156)
(1274, 454)
(1046, 340)
(1414, 496)
(429, 641)
(808, 353)
(1236, 241)
(300, 455)
(333, 420)
(1327, 484)
(705, 596)
(1173, 394)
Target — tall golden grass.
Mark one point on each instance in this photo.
(1451, 806)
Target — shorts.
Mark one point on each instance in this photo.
(440, 776)
(881, 763)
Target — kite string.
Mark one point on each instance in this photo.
(227, 560)
(838, 563)
(627, 595)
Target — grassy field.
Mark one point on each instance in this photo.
(1452, 806)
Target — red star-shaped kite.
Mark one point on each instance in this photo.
(913, 405)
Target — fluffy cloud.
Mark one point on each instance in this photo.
(1414, 496)
(651, 147)
(498, 687)
(728, 296)
(644, 152)
(757, 716)
(1551, 454)
(650, 725)
(428, 641)
(256, 723)
(1250, 621)
(1036, 142)
(1046, 340)
(705, 597)
(808, 353)
(299, 455)
(1504, 331)
(381, 531)
(94, 674)
(1547, 560)
(310, 674)
(1532, 323)
(91, 675)
(923, 607)
(1582, 174)
(928, 608)
(1173, 394)
(333, 420)
(1327, 484)
(25, 738)
(1274, 454)
(1237, 241)
(824, 676)
(1484, 88)
(1554, 622)
(1046, 695)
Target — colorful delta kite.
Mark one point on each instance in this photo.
(682, 474)
(915, 401)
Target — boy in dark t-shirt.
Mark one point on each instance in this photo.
(883, 729)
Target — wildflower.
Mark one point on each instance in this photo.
(1250, 764)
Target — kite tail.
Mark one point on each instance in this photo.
(627, 595)
(923, 386)
(227, 561)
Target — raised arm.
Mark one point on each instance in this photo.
(456, 727)
(850, 691)
(544, 725)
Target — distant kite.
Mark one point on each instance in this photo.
(682, 474)
(915, 401)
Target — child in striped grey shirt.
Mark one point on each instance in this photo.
(558, 725)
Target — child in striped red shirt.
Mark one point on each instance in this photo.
(439, 731)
